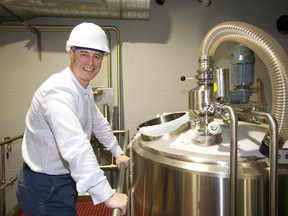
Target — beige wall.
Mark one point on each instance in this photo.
(155, 54)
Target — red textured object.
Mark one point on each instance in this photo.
(89, 209)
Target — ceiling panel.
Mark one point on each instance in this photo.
(23, 10)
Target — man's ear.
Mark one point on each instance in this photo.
(71, 54)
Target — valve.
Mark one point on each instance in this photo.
(183, 78)
(214, 128)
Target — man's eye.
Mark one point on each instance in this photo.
(97, 56)
(84, 54)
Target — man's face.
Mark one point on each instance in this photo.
(85, 65)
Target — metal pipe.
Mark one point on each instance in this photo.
(2, 181)
(130, 182)
(10, 140)
(106, 112)
(233, 159)
(4, 141)
(109, 62)
(121, 132)
(273, 158)
(110, 166)
(117, 212)
(12, 180)
(121, 177)
(119, 74)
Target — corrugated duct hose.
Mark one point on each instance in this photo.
(272, 55)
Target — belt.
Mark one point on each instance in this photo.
(26, 167)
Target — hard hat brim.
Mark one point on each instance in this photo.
(86, 48)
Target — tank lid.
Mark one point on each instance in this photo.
(165, 125)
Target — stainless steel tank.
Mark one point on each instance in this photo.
(172, 176)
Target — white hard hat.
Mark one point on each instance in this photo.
(88, 35)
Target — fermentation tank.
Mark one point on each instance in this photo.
(207, 160)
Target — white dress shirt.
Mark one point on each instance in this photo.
(59, 125)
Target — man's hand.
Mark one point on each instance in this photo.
(122, 159)
(118, 200)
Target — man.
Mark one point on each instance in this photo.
(59, 162)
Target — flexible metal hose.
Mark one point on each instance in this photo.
(269, 51)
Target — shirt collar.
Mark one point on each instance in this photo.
(86, 91)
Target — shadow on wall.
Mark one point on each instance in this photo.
(49, 41)
(12, 37)
(245, 11)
